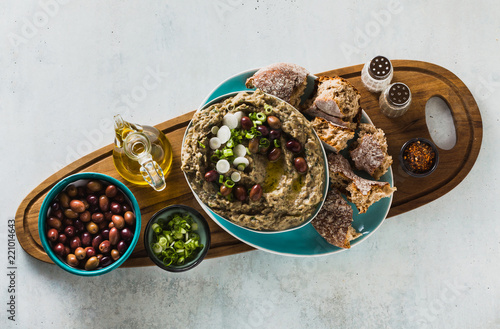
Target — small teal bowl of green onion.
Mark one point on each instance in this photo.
(177, 238)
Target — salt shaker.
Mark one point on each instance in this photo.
(377, 74)
(395, 100)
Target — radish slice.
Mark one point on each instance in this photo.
(230, 121)
(240, 160)
(214, 130)
(214, 143)
(224, 134)
(222, 166)
(235, 177)
(240, 150)
(238, 115)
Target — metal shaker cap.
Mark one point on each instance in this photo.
(380, 68)
(399, 94)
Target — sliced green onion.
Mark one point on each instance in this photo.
(277, 143)
(214, 158)
(229, 183)
(221, 179)
(257, 123)
(201, 144)
(268, 109)
(261, 116)
(227, 153)
(156, 248)
(265, 142)
(241, 166)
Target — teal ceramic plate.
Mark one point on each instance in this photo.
(305, 241)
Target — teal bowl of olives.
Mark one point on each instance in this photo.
(89, 224)
(177, 238)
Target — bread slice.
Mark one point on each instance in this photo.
(333, 221)
(335, 100)
(283, 80)
(362, 192)
(333, 135)
(370, 151)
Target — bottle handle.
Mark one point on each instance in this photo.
(152, 173)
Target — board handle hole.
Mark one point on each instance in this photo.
(440, 124)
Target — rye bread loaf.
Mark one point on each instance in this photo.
(283, 80)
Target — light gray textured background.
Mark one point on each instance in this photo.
(66, 69)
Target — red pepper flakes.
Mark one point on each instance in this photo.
(419, 157)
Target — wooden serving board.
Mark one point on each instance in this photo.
(425, 81)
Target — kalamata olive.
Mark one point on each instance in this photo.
(62, 238)
(67, 222)
(126, 234)
(105, 261)
(300, 164)
(256, 192)
(72, 260)
(86, 239)
(94, 186)
(55, 206)
(60, 250)
(69, 231)
(274, 154)
(90, 251)
(58, 214)
(240, 193)
(97, 217)
(108, 215)
(105, 247)
(294, 146)
(111, 224)
(96, 241)
(116, 208)
(119, 197)
(103, 203)
(99, 256)
(224, 190)
(81, 192)
(80, 253)
(211, 176)
(118, 221)
(103, 225)
(91, 263)
(92, 200)
(246, 123)
(253, 145)
(70, 213)
(64, 200)
(86, 204)
(105, 234)
(71, 191)
(94, 208)
(67, 250)
(115, 254)
(79, 226)
(52, 235)
(113, 236)
(85, 216)
(122, 247)
(263, 149)
(263, 130)
(129, 218)
(273, 122)
(126, 207)
(54, 223)
(92, 228)
(111, 191)
(274, 134)
(75, 243)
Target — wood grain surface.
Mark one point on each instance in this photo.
(425, 81)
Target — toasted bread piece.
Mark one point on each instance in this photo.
(336, 100)
(283, 80)
(362, 192)
(370, 151)
(333, 221)
(333, 135)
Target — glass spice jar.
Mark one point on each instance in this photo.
(377, 74)
(395, 100)
(419, 157)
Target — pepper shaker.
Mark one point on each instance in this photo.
(395, 100)
(377, 74)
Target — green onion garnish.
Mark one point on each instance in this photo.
(261, 117)
(277, 143)
(268, 109)
(229, 183)
(264, 142)
(201, 144)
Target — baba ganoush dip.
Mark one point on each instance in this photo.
(288, 197)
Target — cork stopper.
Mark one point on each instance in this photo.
(399, 94)
(380, 68)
